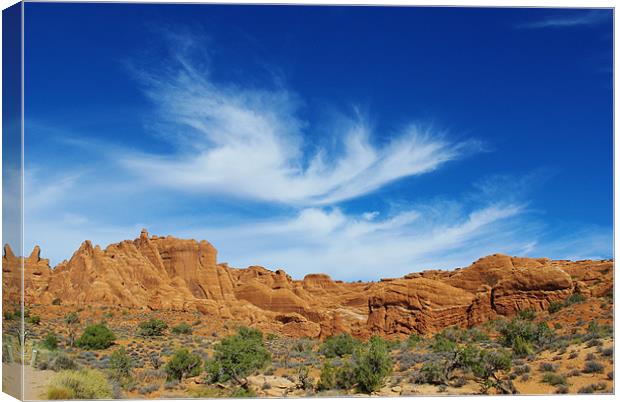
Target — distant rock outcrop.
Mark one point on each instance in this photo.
(153, 272)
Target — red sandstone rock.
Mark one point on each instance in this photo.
(176, 274)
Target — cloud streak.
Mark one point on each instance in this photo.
(251, 144)
(570, 18)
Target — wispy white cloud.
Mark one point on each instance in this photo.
(570, 18)
(251, 143)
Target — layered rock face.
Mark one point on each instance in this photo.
(153, 272)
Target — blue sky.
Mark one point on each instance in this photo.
(363, 142)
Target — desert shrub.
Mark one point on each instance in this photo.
(302, 345)
(521, 347)
(557, 325)
(83, 384)
(443, 344)
(327, 379)
(592, 366)
(597, 331)
(148, 388)
(372, 365)
(548, 367)
(152, 327)
(182, 328)
(155, 360)
(528, 315)
(554, 379)
(345, 376)
(522, 336)
(339, 346)
(56, 362)
(96, 336)
(34, 320)
(56, 302)
(432, 373)
(237, 356)
(590, 356)
(562, 389)
(487, 364)
(574, 298)
(183, 364)
(120, 364)
(50, 341)
(590, 389)
(522, 369)
(304, 380)
(610, 375)
(475, 335)
(413, 340)
(554, 307)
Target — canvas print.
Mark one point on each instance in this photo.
(225, 201)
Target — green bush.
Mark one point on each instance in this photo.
(592, 366)
(96, 336)
(182, 328)
(443, 344)
(345, 376)
(414, 340)
(120, 364)
(432, 373)
(34, 320)
(183, 364)
(554, 307)
(527, 315)
(327, 379)
(554, 379)
(50, 341)
(304, 380)
(339, 346)
(574, 298)
(83, 384)
(237, 356)
(152, 327)
(372, 365)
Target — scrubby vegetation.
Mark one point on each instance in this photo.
(339, 346)
(82, 384)
(183, 365)
(237, 356)
(182, 328)
(152, 327)
(96, 336)
(525, 353)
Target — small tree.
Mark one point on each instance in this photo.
(183, 364)
(121, 364)
(327, 380)
(487, 367)
(237, 356)
(372, 365)
(72, 320)
(96, 336)
(50, 341)
(152, 327)
(339, 345)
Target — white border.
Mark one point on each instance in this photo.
(476, 3)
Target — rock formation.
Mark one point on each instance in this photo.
(153, 272)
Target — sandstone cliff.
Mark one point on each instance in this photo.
(153, 272)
